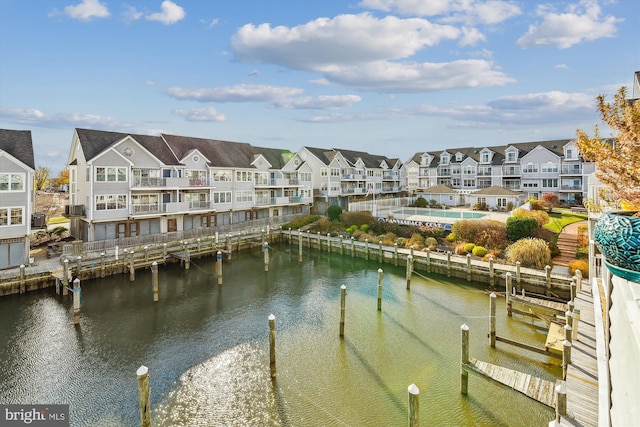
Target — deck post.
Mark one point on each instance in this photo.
(380, 275)
(219, 266)
(154, 280)
(411, 250)
(464, 360)
(492, 319)
(77, 293)
(579, 277)
(117, 251)
(409, 270)
(144, 393)
(328, 242)
(569, 316)
(272, 345)
(414, 406)
(380, 251)
(568, 333)
(265, 249)
(547, 270)
(164, 251)
(132, 270)
(576, 322)
(341, 246)
(299, 245)
(395, 253)
(448, 263)
(468, 267)
(509, 287)
(574, 288)
(561, 402)
(22, 279)
(308, 239)
(146, 253)
(103, 272)
(319, 242)
(199, 243)
(492, 273)
(566, 358)
(216, 236)
(428, 251)
(65, 277)
(229, 247)
(343, 298)
(518, 272)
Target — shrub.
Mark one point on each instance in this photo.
(520, 227)
(531, 252)
(583, 236)
(470, 230)
(351, 229)
(459, 250)
(431, 242)
(299, 223)
(479, 251)
(540, 216)
(510, 206)
(581, 265)
(469, 247)
(544, 234)
(491, 238)
(416, 240)
(323, 225)
(357, 218)
(420, 202)
(451, 237)
(334, 212)
(436, 232)
(553, 247)
(480, 206)
(582, 252)
(364, 227)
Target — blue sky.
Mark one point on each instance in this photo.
(391, 77)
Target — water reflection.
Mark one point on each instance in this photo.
(206, 347)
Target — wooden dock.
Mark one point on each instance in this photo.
(555, 337)
(536, 388)
(532, 303)
(582, 374)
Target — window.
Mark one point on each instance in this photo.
(11, 216)
(482, 200)
(530, 184)
(571, 153)
(455, 169)
(335, 171)
(323, 171)
(455, 182)
(469, 182)
(425, 159)
(111, 174)
(244, 176)
(305, 176)
(444, 159)
(512, 155)
(370, 172)
(550, 167)
(222, 197)
(262, 178)
(222, 176)
(107, 202)
(530, 168)
(469, 170)
(244, 196)
(458, 157)
(484, 158)
(502, 202)
(550, 183)
(12, 181)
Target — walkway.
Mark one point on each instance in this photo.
(568, 243)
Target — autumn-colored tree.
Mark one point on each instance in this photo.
(617, 161)
(41, 178)
(62, 178)
(551, 201)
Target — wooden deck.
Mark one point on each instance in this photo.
(536, 388)
(582, 374)
(532, 302)
(555, 337)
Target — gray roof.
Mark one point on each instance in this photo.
(440, 189)
(18, 144)
(369, 160)
(94, 142)
(497, 191)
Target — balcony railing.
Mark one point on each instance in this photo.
(147, 182)
(571, 188)
(353, 176)
(511, 170)
(145, 209)
(200, 205)
(571, 169)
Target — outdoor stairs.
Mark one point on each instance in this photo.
(568, 244)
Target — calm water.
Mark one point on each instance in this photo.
(207, 348)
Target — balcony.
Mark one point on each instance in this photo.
(74, 210)
(571, 170)
(571, 188)
(145, 209)
(511, 170)
(352, 176)
(200, 205)
(272, 201)
(175, 207)
(277, 182)
(146, 182)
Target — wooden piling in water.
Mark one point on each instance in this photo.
(518, 272)
(428, 251)
(380, 251)
(103, 270)
(449, 264)
(547, 270)
(154, 280)
(353, 247)
(492, 319)
(508, 289)
(561, 402)
(144, 393)
(272, 345)
(265, 249)
(329, 242)
(492, 273)
(566, 358)
(409, 270)
(414, 406)
(395, 253)
(568, 333)
(341, 245)
(574, 288)
(132, 270)
(22, 279)
(380, 275)
(65, 277)
(343, 298)
(77, 294)
(299, 246)
(366, 249)
(219, 266)
(468, 267)
(464, 359)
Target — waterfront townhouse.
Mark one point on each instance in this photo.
(533, 168)
(126, 185)
(338, 176)
(17, 170)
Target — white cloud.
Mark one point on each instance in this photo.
(206, 114)
(171, 13)
(214, 22)
(131, 14)
(86, 10)
(238, 93)
(324, 102)
(35, 117)
(489, 12)
(581, 22)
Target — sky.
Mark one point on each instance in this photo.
(389, 77)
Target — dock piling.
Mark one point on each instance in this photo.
(144, 393)
(154, 280)
(343, 298)
(265, 249)
(22, 279)
(468, 267)
(492, 273)
(272, 345)
(448, 263)
(492, 319)
(414, 406)
(547, 270)
(464, 359)
(566, 358)
(132, 270)
(299, 246)
(219, 266)
(561, 402)
(380, 275)
(65, 277)
(77, 293)
(103, 272)
(409, 270)
(509, 287)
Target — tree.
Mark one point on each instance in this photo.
(41, 178)
(334, 212)
(617, 161)
(551, 200)
(62, 178)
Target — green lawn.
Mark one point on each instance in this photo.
(558, 220)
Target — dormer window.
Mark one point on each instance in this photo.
(571, 153)
(512, 155)
(458, 157)
(484, 157)
(425, 159)
(444, 159)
